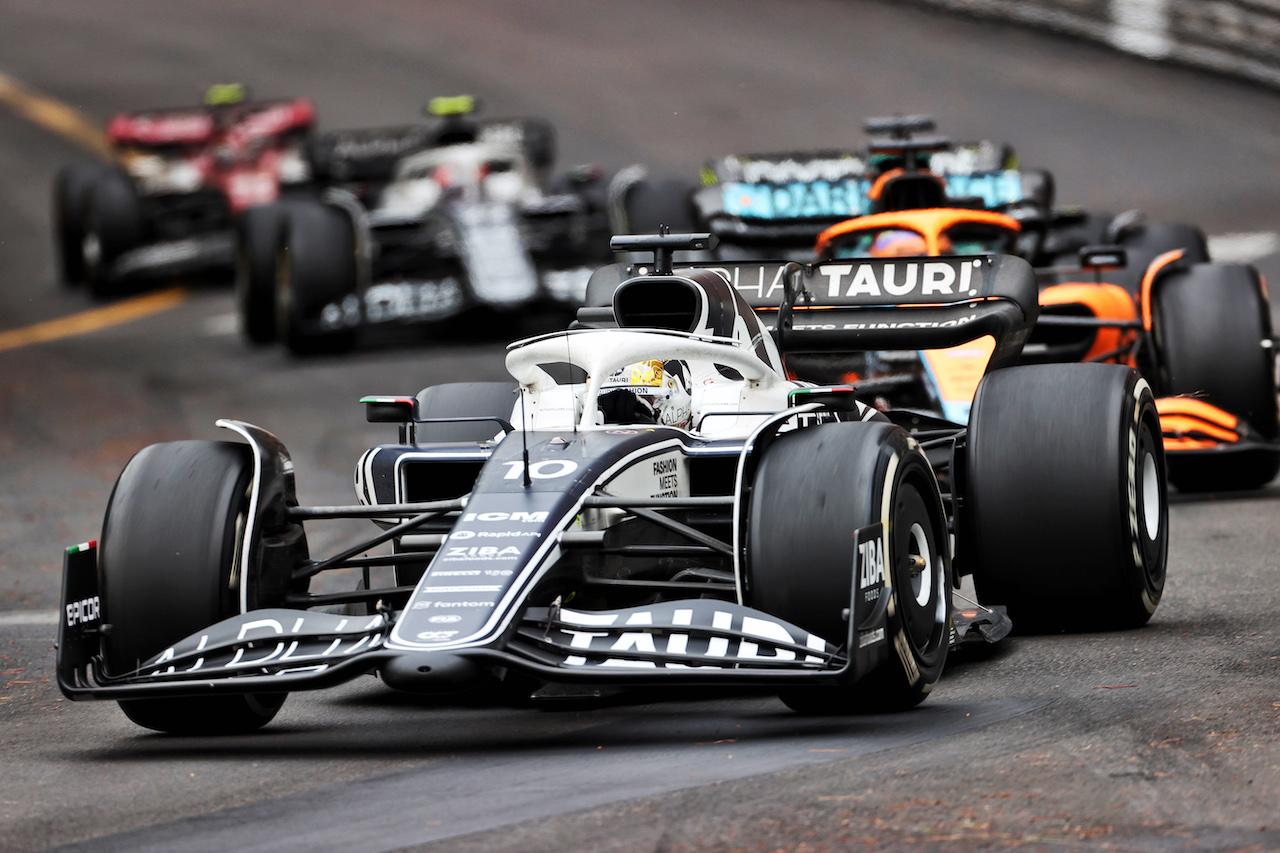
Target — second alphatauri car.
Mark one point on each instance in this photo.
(419, 224)
(650, 501)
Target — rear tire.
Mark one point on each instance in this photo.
(317, 299)
(1145, 243)
(813, 488)
(170, 564)
(1065, 519)
(70, 190)
(113, 224)
(1211, 322)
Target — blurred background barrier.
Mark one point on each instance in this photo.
(1240, 37)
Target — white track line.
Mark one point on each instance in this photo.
(220, 325)
(1243, 248)
(29, 617)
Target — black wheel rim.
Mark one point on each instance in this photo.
(919, 570)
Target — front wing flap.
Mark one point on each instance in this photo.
(673, 634)
(1194, 427)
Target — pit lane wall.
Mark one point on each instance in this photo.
(1240, 37)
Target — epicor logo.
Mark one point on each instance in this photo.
(86, 610)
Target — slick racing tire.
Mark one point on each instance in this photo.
(170, 564)
(70, 188)
(1065, 514)
(113, 224)
(813, 488)
(257, 237)
(650, 204)
(317, 299)
(1212, 325)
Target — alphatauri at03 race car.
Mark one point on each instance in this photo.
(1200, 332)
(418, 225)
(651, 502)
(180, 178)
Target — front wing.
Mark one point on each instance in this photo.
(701, 641)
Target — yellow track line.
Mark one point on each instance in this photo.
(89, 321)
(53, 115)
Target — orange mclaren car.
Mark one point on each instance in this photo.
(1200, 333)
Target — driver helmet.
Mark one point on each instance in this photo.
(658, 387)
(898, 244)
(225, 94)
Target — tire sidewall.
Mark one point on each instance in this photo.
(920, 665)
(1143, 445)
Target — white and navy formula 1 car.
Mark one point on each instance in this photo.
(651, 501)
(419, 224)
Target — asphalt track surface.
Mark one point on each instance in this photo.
(1166, 738)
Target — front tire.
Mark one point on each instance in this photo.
(813, 488)
(1065, 517)
(257, 237)
(113, 224)
(170, 561)
(1211, 324)
(317, 299)
(70, 190)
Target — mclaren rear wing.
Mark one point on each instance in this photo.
(867, 305)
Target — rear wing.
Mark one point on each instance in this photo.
(794, 194)
(198, 125)
(366, 154)
(868, 305)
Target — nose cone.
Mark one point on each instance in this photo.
(433, 672)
